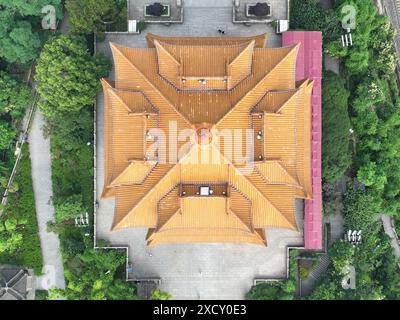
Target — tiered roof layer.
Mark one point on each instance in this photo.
(224, 84)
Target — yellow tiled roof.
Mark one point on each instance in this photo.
(185, 85)
(260, 40)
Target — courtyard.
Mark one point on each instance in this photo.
(195, 271)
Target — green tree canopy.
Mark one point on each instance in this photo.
(360, 210)
(309, 15)
(30, 8)
(14, 97)
(69, 208)
(68, 76)
(383, 56)
(86, 16)
(335, 127)
(10, 237)
(20, 22)
(279, 290)
(7, 134)
(18, 42)
(342, 255)
(157, 294)
(357, 59)
(93, 276)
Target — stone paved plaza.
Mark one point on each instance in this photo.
(195, 271)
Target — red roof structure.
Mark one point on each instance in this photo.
(309, 66)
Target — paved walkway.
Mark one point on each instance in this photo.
(64, 25)
(332, 63)
(39, 148)
(394, 241)
(392, 9)
(336, 222)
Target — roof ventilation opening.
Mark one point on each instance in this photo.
(149, 136)
(205, 191)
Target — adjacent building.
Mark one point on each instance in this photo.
(16, 283)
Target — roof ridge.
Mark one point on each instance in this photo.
(121, 100)
(160, 229)
(282, 168)
(272, 92)
(261, 39)
(306, 85)
(262, 194)
(158, 207)
(236, 45)
(295, 94)
(145, 196)
(258, 84)
(117, 49)
(231, 165)
(151, 163)
(249, 45)
(159, 45)
(106, 84)
(237, 218)
(243, 227)
(250, 203)
(151, 105)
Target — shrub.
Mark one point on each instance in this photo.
(41, 295)
(157, 294)
(309, 15)
(360, 210)
(7, 135)
(91, 275)
(86, 16)
(14, 97)
(275, 290)
(305, 270)
(141, 25)
(69, 208)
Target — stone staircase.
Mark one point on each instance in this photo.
(308, 284)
